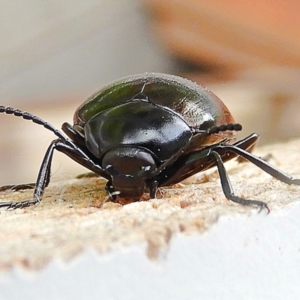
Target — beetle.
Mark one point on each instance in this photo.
(146, 131)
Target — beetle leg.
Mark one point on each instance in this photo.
(227, 188)
(73, 134)
(17, 187)
(14, 205)
(200, 160)
(42, 181)
(190, 159)
(262, 164)
(153, 186)
(81, 157)
(112, 194)
(43, 178)
(248, 142)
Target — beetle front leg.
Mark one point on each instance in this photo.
(43, 178)
(41, 183)
(112, 194)
(227, 188)
(153, 186)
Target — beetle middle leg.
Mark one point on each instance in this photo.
(227, 188)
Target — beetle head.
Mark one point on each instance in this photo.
(129, 167)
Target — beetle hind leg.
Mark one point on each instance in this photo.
(262, 164)
(227, 188)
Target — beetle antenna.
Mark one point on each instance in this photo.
(230, 127)
(28, 116)
(217, 129)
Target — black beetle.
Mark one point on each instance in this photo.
(147, 131)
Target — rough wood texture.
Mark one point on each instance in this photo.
(73, 215)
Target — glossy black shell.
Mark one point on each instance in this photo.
(196, 104)
(151, 110)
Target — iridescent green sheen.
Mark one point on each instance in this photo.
(196, 104)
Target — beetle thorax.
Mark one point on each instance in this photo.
(129, 168)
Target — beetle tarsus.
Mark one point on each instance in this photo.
(22, 204)
(262, 205)
(17, 187)
(153, 188)
(227, 188)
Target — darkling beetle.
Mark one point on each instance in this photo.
(147, 131)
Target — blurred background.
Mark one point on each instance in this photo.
(55, 54)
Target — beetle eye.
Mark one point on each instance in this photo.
(110, 169)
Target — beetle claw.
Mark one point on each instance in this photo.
(264, 206)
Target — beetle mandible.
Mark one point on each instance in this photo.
(146, 131)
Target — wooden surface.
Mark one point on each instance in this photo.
(74, 215)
